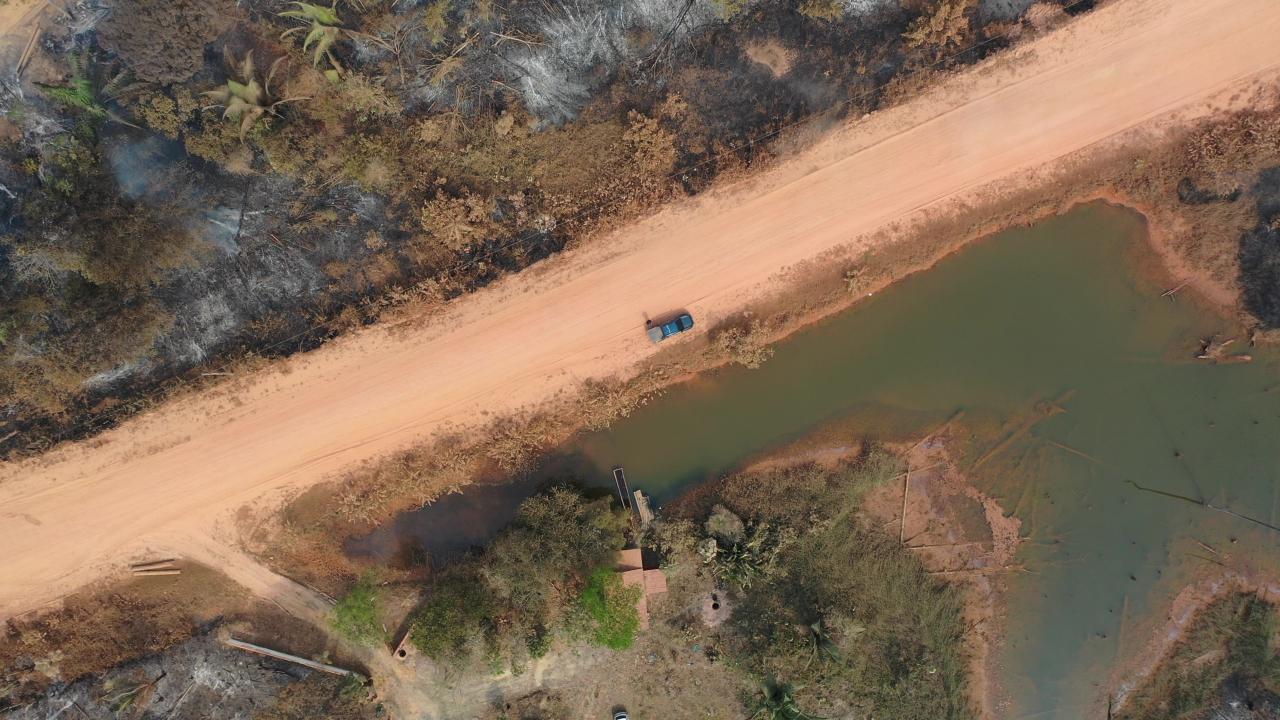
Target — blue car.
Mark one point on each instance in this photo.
(679, 324)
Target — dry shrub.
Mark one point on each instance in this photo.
(822, 9)
(319, 696)
(457, 222)
(1044, 16)
(410, 479)
(436, 20)
(946, 24)
(604, 402)
(48, 371)
(108, 625)
(515, 442)
(744, 343)
(368, 101)
(652, 147)
(159, 112)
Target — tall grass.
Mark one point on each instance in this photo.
(853, 621)
(1231, 642)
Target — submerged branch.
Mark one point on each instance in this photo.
(1204, 504)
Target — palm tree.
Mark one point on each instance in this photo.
(823, 645)
(324, 28)
(89, 90)
(246, 100)
(778, 703)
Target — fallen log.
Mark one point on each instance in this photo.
(152, 564)
(278, 655)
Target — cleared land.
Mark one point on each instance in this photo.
(172, 476)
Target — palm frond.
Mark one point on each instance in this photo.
(246, 67)
(271, 74)
(119, 88)
(323, 37)
(314, 13)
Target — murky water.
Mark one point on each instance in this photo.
(1024, 316)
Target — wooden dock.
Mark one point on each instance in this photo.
(624, 492)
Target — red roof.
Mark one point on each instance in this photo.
(651, 582)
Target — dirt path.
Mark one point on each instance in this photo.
(17, 14)
(69, 515)
(404, 694)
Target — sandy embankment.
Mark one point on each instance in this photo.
(74, 513)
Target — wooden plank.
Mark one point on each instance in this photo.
(624, 493)
(26, 51)
(643, 508)
(152, 564)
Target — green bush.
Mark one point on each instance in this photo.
(539, 643)
(355, 616)
(556, 538)
(458, 611)
(610, 610)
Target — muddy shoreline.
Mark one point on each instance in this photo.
(811, 293)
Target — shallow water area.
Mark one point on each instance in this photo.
(1060, 311)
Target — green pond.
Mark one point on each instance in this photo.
(1023, 316)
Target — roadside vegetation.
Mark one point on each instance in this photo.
(192, 181)
(549, 575)
(1227, 661)
(355, 617)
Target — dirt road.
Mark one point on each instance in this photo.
(68, 516)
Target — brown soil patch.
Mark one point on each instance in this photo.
(16, 15)
(771, 54)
